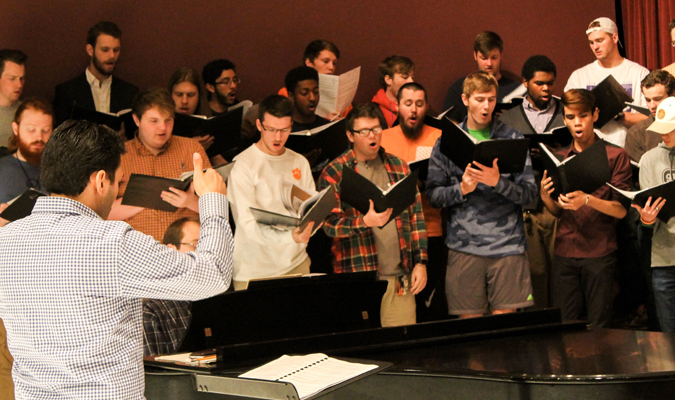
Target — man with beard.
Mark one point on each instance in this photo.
(302, 84)
(96, 88)
(656, 87)
(18, 172)
(12, 76)
(410, 141)
(221, 82)
(540, 112)
(487, 265)
(32, 127)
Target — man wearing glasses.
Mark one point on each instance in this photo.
(256, 180)
(221, 82)
(397, 250)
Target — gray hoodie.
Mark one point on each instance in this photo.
(656, 167)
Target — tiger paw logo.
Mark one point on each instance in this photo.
(297, 174)
(661, 114)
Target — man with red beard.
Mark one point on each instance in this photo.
(96, 88)
(21, 170)
(412, 140)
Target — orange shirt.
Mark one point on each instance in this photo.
(175, 159)
(395, 142)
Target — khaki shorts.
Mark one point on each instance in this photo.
(473, 282)
(397, 309)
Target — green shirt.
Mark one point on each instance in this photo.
(481, 135)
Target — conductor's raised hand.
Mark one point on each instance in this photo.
(375, 219)
(206, 182)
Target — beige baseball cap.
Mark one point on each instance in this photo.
(665, 117)
(603, 24)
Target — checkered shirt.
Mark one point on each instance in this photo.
(71, 290)
(165, 324)
(175, 159)
(354, 246)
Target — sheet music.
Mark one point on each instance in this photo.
(309, 374)
(337, 92)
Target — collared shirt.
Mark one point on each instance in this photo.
(586, 232)
(165, 324)
(100, 91)
(71, 290)
(354, 246)
(173, 160)
(538, 118)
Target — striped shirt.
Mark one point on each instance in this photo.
(71, 290)
(354, 248)
(175, 159)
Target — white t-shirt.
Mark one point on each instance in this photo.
(629, 74)
(261, 251)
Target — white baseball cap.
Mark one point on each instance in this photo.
(605, 24)
(665, 117)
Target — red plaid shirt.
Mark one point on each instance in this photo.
(354, 246)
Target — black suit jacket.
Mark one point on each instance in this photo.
(78, 91)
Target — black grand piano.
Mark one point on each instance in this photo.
(526, 355)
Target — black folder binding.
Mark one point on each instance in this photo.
(463, 149)
(586, 171)
(225, 129)
(610, 98)
(356, 191)
(558, 137)
(112, 121)
(664, 190)
(21, 206)
(146, 190)
(317, 213)
(330, 138)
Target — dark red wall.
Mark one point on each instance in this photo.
(266, 38)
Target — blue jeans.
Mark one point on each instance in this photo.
(663, 280)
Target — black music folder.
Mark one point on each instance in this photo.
(557, 137)
(356, 191)
(462, 149)
(21, 206)
(146, 190)
(312, 209)
(586, 171)
(610, 98)
(225, 129)
(111, 120)
(330, 138)
(422, 168)
(664, 190)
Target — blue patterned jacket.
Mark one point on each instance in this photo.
(488, 221)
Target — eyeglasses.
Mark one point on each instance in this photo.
(365, 132)
(228, 81)
(194, 245)
(275, 130)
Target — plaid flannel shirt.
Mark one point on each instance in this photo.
(165, 324)
(354, 246)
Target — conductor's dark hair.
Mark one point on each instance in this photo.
(536, 64)
(415, 87)
(15, 56)
(103, 27)
(74, 151)
(275, 105)
(365, 110)
(299, 74)
(174, 233)
(315, 48)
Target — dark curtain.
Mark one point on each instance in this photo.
(646, 33)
